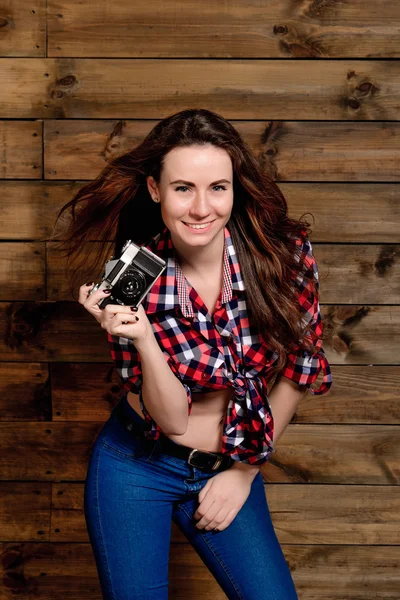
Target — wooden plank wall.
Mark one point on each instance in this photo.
(314, 87)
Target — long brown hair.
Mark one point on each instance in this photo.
(117, 206)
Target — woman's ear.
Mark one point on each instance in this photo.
(152, 186)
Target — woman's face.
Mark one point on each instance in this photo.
(196, 186)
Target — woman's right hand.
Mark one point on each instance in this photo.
(116, 319)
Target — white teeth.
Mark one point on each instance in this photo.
(198, 226)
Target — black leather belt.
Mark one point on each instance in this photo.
(201, 459)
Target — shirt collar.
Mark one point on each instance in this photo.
(170, 289)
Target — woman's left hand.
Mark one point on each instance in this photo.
(222, 498)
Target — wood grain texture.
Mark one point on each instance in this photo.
(23, 28)
(18, 523)
(305, 454)
(53, 331)
(276, 29)
(48, 569)
(58, 274)
(288, 151)
(104, 88)
(25, 392)
(83, 83)
(29, 208)
(306, 514)
(361, 394)
(83, 391)
(50, 331)
(21, 146)
(363, 211)
(348, 274)
(22, 271)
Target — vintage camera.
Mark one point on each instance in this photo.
(131, 276)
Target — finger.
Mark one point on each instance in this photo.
(217, 519)
(84, 291)
(94, 298)
(112, 310)
(203, 493)
(209, 515)
(204, 505)
(122, 319)
(227, 521)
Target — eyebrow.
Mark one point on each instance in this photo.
(192, 184)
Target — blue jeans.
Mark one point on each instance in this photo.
(133, 491)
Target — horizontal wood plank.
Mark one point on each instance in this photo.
(287, 150)
(358, 334)
(326, 572)
(25, 392)
(29, 208)
(358, 274)
(306, 513)
(23, 27)
(301, 29)
(22, 271)
(50, 331)
(365, 212)
(316, 453)
(348, 274)
(59, 284)
(95, 388)
(76, 88)
(21, 144)
(53, 332)
(347, 212)
(25, 511)
(360, 394)
(305, 453)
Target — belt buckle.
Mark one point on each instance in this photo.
(215, 465)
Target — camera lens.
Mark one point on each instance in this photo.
(130, 284)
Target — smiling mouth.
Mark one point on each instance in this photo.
(198, 225)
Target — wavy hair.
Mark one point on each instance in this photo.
(117, 206)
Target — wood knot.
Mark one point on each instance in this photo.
(271, 151)
(57, 94)
(24, 322)
(354, 103)
(67, 81)
(11, 558)
(280, 29)
(366, 88)
(14, 581)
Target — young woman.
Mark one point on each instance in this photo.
(236, 306)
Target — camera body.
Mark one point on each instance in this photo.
(131, 276)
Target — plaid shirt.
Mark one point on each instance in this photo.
(210, 352)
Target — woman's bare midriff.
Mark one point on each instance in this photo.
(204, 430)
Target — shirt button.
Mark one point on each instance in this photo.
(229, 338)
(204, 375)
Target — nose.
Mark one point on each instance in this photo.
(199, 208)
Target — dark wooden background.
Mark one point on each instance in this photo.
(314, 87)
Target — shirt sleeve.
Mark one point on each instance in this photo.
(127, 362)
(302, 366)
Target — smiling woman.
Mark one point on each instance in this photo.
(236, 305)
(197, 207)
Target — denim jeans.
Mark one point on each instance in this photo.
(133, 492)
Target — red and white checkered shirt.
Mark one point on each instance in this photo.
(210, 352)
